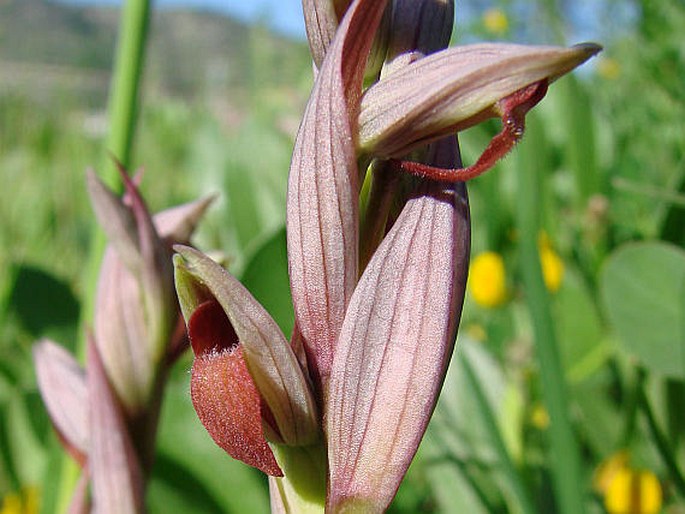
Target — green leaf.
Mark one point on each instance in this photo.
(45, 305)
(467, 434)
(579, 330)
(643, 289)
(266, 276)
(176, 489)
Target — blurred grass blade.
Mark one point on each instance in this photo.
(512, 476)
(564, 456)
(579, 149)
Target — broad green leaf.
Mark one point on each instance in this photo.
(176, 489)
(455, 489)
(643, 289)
(459, 435)
(579, 330)
(45, 305)
(601, 421)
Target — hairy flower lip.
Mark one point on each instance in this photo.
(269, 358)
(452, 90)
(229, 406)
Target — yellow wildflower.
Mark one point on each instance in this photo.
(495, 21)
(487, 280)
(25, 502)
(476, 332)
(633, 492)
(552, 269)
(551, 263)
(11, 504)
(608, 68)
(539, 417)
(607, 470)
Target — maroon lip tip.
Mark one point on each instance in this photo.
(210, 329)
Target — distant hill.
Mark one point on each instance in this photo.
(46, 45)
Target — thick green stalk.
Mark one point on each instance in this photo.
(123, 99)
(564, 454)
(122, 115)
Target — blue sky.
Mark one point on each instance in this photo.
(283, 15)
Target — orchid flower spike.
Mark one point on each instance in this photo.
(106, 414)
(378, 236)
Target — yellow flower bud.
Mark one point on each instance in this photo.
(539, 417)
(633, 492)
(24, 502)
(495, 21)
(552, 269)
(607, 470)
(608, 68)
(11, 504)
(487, 280)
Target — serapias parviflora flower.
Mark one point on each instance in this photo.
(374, 329)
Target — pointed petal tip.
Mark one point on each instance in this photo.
(585, 51)
(589, 48)
(185, 252)
(178, 223)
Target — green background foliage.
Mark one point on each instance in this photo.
(220, 106)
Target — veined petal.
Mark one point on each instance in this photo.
(62, 384)
(122, 334)
(116, 475)
(322, 205)
(394, 348)
(135, 311)
(321, 22)
(453, 90)
(268, 356)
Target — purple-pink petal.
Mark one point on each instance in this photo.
(322, 206)
(394, 347)
(116, 474)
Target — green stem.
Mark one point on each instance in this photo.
(565, 459)
(303, 488)
(513, 477)
(122, 112)
(662, 445)
(123, 100)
